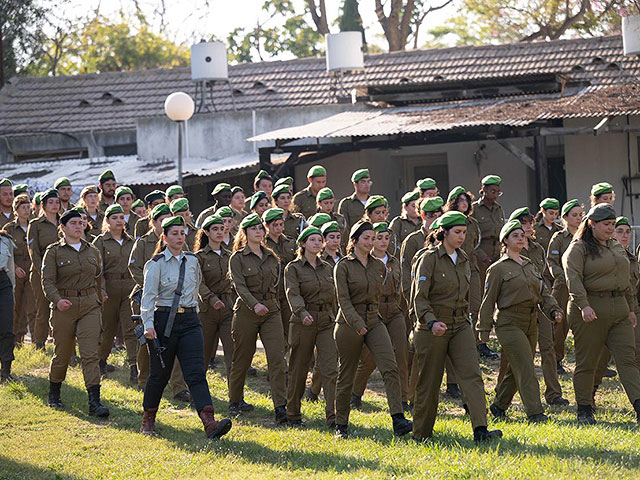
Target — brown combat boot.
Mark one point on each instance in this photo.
(212, 428)
(149, 422)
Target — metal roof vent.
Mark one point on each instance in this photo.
(344, 52)
(209, 61)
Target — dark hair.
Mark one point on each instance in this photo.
(351, 245)
(452, 205)
(258, 180)
(201, 240)
(160, 246)
(585, 234)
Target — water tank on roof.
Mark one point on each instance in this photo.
(209, 61)
(344, 52)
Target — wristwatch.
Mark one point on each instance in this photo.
(430, 324)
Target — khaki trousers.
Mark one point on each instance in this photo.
(561, 330)
(41, 327)
(116, 311)
(24, 309)
(216, 324)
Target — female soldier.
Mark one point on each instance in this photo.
(138, 207)
(259, 203)
(124, 197)
(228, 232)
(325, 203)
(255, 275)
(376, 209)
(405, 223)
(597, 272)
(71, 268)
(358, 279)
(216, 298)
(115, 246)
(7, 282)
(602, 193)
(42, 232)
(89, 200)
(441, 305)
(294, 222)
(309, 286)
(24, 307)
(545, 219)
(153, 198)
(516, 288)
(332, 239)
(392, 317)
(174, 270)
(572, 214)
(180, 207)
(237, 205)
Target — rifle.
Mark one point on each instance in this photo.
(152, 343)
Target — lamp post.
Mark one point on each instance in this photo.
(179, 107)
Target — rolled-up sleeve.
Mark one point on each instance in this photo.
(149, 292)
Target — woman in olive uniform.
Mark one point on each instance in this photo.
(173, 321)
(115, 246)
(153, 198)
(125, 197)
(309, 286)
(24, 307)
(89, 200)
(392, 317)
(325, 202)
(42, 232)
(516, 288)
(7, 283)
(545, 221)
(602, 193)
(180, 206)
(259, 203)
(237, 205)
(256, 275)
(404, 224)
(229, 231)
(294, 222)
(216, 298)
(597, 271)
(441, 304)
(571, 214)
(376, 209)
(359, 278)
(71, 269)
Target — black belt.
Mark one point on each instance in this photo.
(180, 309)
(367, 307)
(76, 293)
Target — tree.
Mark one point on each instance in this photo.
(350, 19)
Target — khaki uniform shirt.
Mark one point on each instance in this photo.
(536, 254)
(130, 226)
(21, 252)
(401, 228)
(96, 223)
(472, 242)
(634, 270)
(40, 234)
(204, 214)
(141, 253)
(142, 226)
(255, 280)
(102, 206)
(236, 218)
(64, 268)
(215, 276)
(442, 287)
(358, 289)
(329, 259)
(305, 202)
(490, 222)
(410, 247)
(352, 209)
(294, 223)
(557, 246)
(4, 219)
(310, 289)
(509, 284)
(543, 234)
(609, 272)
(115, 261)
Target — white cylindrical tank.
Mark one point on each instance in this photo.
(344, 51)
(209, 61)
(631, 35)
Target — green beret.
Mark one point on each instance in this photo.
(138, 203)
(250, 220)
(173, 221)
(153, 196)
(62, 182)
(236, 189)
(519, 212)
(324, 194)
(566, 208)
(89, 189)
(426, 184)
(509, 227)
(106, 175)
(330, 227)
(601, 188)
(212, 220)
(179, 205)
(173, 190)
(359, 175)
(455, 193)
(409, 197)
(261, 174)
(123, 191)
(47, 194)
(272, 214)
(5, 182)
(224, 212)
(255, 198)
(68, 215)
(284, 181)
(450, 219)
(37, 198)
(221, 187)
(550, 204)
(111, 209)
(622, 221)
(431, 204)
(375, 201)
(159, 210)
(491, 180)
(279, 190)
(381, 227)
(317, 171)
(319, 219)
(359, 227)
(21, 188)
(600, 212)
(307, 232)
(79, 209)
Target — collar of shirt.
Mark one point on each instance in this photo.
(83, 243)
(168, 255)
(246, 251)
(442, 252)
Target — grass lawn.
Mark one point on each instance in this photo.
(37, 442)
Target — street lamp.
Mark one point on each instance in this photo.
(179, 107)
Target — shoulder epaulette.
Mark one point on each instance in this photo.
(157, 257)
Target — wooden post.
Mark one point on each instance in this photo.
(542, 173)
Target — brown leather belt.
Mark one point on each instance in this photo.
(84, 292)
(316, 307)
(180, 309)
(450, 312)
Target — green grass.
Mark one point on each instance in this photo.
(39, 443)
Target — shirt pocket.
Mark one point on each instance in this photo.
(252, 277)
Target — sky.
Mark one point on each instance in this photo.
(190, 20)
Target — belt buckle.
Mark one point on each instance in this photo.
(180, 310)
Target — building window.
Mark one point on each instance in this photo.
(117, 150)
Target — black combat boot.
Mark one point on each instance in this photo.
(96, 409)
(538, 418)
(636, 407)
(342, 431)
(481, 434)
(54, 395)
(401, 426)
(585, 415)
(5, 372)
(281, 415)
(133, 374)
(356, 401)
(453, 391)
(498, 413)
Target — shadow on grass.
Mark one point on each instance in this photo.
(12, 470)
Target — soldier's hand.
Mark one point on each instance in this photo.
(219, 305)
(438, 329)
(588, 314)
(634, 319)
(63, 304)
(558, 316)
(20, 273)
(308, 320)
(150, 333)
(260, 310)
